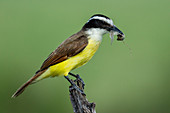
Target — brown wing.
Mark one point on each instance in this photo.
(70, 47)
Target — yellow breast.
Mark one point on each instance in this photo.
(84, 56)
(74, 62)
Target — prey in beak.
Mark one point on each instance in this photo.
(115, 31)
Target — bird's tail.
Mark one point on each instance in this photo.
(30, 81)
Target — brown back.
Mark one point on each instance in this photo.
(70, 47)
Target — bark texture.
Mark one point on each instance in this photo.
(79, 101)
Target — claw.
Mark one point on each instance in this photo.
(79, 78)
(76, 88)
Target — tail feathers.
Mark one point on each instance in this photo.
(23, 87)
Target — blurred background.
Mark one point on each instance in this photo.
(116, 80)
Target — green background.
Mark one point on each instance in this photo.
(116, 80)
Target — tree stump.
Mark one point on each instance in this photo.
(79, 101)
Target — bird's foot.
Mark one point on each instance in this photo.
(81, 80)
(74, 87)
(78, 78)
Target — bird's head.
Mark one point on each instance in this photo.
(99, 24)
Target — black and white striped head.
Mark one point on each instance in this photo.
(102, 24)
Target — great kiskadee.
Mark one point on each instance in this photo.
(75, 51)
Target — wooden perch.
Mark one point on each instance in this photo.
(79, 101)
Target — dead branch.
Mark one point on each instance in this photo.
(79, 101)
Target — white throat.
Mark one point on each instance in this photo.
(96, 33)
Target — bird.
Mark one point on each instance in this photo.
(75, 51)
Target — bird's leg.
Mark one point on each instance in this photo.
(74, 86)
(78, 77)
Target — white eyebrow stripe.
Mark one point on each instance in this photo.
(109, 21)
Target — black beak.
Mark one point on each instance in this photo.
(116, 31)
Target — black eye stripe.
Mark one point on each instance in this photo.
(96, 23)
